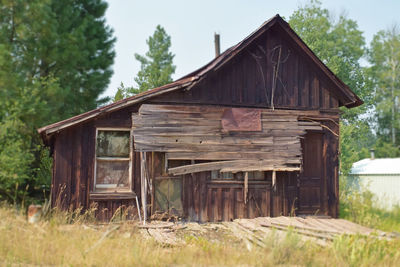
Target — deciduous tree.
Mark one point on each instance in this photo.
(340, 45)
(384, 57)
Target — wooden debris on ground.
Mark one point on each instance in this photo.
(254, 232)
(162, 232)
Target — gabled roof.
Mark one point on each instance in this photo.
(384, 166)
(349, 99)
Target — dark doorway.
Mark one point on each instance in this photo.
(311, 178)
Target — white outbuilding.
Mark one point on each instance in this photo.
(381, 177)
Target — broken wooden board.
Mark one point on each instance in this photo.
(198, 133)
(255, 232)
(238, 165)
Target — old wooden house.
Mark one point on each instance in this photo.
(255, 132)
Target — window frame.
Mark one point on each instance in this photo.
(111, 188)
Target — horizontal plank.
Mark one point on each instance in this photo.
(265, 168)
(111, 195)
(112, 159)
(210, 166)
(288, 149)
(212, 109)
(209, 139)
(225, 155)
(186, 131)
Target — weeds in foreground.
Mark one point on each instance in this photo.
(53, 242)
(359, 206)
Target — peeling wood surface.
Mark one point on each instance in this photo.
(196, 132)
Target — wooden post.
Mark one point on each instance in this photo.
(152, 182)
(143, 185)
(246, 186)
(274, 181)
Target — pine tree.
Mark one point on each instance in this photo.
(55, 61)
(156, 66)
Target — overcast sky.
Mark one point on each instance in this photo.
(191, 25)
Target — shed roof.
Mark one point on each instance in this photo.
(348, 98)
(385, 166)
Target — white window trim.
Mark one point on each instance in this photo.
(113, 186)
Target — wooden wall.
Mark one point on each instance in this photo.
(206, 200)
(247, 80)
(73, 167)
(203, 200)
(312, 191)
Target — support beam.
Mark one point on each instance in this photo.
(238, 165)
(143, 181)
(246, 186)
(274, 180)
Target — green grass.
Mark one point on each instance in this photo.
(359, 207)
(66, 239)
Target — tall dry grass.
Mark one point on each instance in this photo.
(53, 241)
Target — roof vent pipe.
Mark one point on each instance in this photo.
(372, 153)
(217, 44)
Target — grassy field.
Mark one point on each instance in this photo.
(63, 239)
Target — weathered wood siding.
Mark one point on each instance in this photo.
(206, 200)
(247, 80)
(73, 167)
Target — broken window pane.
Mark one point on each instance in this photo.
(112, 174)
(256, 175)
(215, 175)
(113, 144)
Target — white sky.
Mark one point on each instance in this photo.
(191, 25)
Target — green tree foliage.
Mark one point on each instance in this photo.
(55, 60)
(156, 65)
(384, 56)
(356, 139)
(340, 45)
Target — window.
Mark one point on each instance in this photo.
(252, 175)
(113, 164)
(217, 175)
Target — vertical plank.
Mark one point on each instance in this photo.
(315, 90)
(196, 194)
(305, 88)
(327, 97)
(203, 197)
(295, 81)
(324, 184)
(219, 204)
(225, 205)
(268, 202)
(210, 213)
(53, 176)
(189, 200)
(240, 207)
(69, 165)
(84, 167)
(77, 159)
(231, 204)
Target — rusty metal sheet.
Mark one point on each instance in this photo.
(241, 120)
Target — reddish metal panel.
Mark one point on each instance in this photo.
(241, 119)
